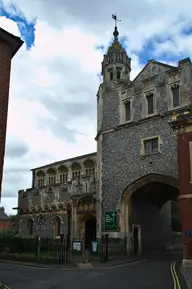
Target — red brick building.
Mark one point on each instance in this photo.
(9, 45)
(183, 125)
(5, 221)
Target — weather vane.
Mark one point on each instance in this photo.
(114, 17)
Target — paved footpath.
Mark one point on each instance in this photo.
(159, 271)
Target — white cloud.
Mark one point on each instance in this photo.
(54, 85)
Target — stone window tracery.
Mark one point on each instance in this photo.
(40, 178)
(63, 174)
(51, 176)
(76, 170)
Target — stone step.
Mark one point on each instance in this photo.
(85, 265)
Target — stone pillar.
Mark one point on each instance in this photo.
(9, 45)
(185, 186)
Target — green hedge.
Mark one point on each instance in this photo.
(17, 244)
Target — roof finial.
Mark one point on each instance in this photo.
(115, 33)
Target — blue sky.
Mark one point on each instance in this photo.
(146, 52)
(26, 28)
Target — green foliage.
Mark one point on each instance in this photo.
(17, 244)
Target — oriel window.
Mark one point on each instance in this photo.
(150, 103)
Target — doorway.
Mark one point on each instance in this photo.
(90, 232)
(136, 240)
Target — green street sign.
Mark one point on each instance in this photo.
(111, 220)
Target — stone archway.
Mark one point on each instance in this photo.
(87, 229)
(143, 207)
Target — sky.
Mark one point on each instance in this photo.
(56, 74)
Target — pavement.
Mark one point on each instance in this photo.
(159, 270)
(188, 276)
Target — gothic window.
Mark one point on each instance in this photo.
(151, 145)
(57, 226)
(175, 95)
(90, 171)
(40, 178)
(51, 176)
(89, 166)
(63, 174)
(127, 111)
(76, 174)
(63, 178)
(150, 103)
(41, 182)
(111, 75)
(52, 180)
(76, 170)
(118, 74)
(30, 227)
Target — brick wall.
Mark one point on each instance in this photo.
(5, 65)
(5, 225)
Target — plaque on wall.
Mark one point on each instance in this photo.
(40, 220)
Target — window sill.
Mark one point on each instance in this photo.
(126, 122)
(151, 115)
(176, 108)
(150, 154)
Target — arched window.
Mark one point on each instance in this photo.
(76, 170)
(40, 179)
(57, 226)
(111, 75)
(89, 166)
(51, 176)
(63, 174)
(30, 226)
(118, 74)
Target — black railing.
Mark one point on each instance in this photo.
(60, 250)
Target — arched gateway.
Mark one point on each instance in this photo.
(87, 229)
(146, 213)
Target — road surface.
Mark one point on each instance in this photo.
(157, 272)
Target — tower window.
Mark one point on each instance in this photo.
(127, 111)
(118, 74)
(150, 105)
(111, 75)
(175, 95)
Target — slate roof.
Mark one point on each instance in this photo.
(3, 215)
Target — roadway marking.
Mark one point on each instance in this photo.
(176, 282)
(124, 264)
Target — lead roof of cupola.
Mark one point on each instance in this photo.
(116, 46)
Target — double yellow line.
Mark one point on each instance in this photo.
(175, 276)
